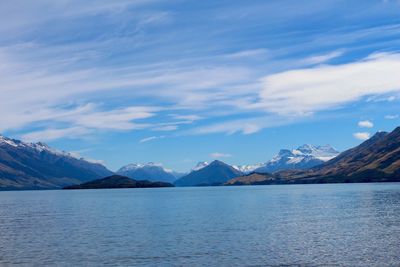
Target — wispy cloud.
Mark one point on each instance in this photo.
(166, 128)
(142, 65)
(247, 54)
(243, 126)
(365, 124)
(391, 117)
(52, 134)
(323, 58)
(362, 135)
(191, 117)
(151, 138)
(218, 155)
(83, 120)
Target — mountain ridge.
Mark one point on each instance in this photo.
(375, 160)
(37, 166)
(149, 171)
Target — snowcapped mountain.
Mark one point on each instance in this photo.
(304, 157)
(247, 168)
(200, 165)
(242, 168)
(39, 146)
(38, 166)
(151, 171)
(324, 153)
(215, 173)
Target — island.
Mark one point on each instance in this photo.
(118, 181)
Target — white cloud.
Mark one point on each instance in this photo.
(166, 128)
(21, 14)
(183, 88)
(81, 121)
(244, 126)
(117, 119)
(45, 82)
(217, 155)
(95, 161)
(247, 54)
(323, 58)
(391, 117)
(365, 124)
(305, 91)
(151, 138)
(52, 134)
(362, 136)
(186, 117)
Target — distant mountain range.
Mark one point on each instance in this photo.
(118, 181)
(215, 173)
(37, 166)
(304, 157)
(241, 168)
(375, 160)
(150, 171)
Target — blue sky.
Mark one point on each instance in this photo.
(181, 81)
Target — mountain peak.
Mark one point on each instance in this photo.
(215, 173)
(151, 171)
(217, 162)
(303, 157)
(381, 134)
(200, 165)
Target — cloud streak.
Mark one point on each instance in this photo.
(218, 155)
(306, 91)
(150, 138)
(362, 136)
(365, 124)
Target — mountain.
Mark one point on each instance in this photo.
(248, 168)
(37, 166)
(215, 173)
(149, 171)
(304, 157)
(241, 168)
(117, 181)
(375, 160)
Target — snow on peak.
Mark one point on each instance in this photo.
(135, 166)
(200, 165)
(40, 147)
(305, 156)
(323, 153)
(247, 168)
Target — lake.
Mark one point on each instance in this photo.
(278, 225)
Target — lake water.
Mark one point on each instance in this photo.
(279, 225)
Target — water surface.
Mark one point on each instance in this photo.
(305, 225)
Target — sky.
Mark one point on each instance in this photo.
(182, 81)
